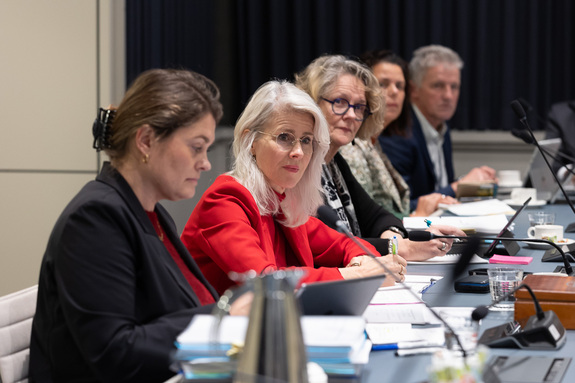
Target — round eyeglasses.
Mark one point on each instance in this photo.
(340, 106)
(286, 141)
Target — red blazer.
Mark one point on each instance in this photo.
(227, 233)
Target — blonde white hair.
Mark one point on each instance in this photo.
(319, 79)
(270, 100)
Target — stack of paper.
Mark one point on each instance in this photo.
(486, 207)
(489, 224)
(337, 343)
(399, 320)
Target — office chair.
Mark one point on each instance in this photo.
(16, 312)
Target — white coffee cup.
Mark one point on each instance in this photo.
(552, 233)
(520, 195)
(510, 178)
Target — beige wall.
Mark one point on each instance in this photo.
(499, 150)
(49, 93)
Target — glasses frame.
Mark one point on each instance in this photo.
(293, 143)
(349, 105)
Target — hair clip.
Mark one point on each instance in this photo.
(101, 129)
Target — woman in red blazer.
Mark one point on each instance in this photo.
(259, 216)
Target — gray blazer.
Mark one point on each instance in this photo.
(561, 124)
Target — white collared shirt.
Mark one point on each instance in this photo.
(434, 140)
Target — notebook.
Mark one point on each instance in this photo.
(343, 297)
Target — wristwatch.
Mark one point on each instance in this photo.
(396, 230)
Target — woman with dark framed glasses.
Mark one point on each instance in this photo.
(351, 100)
(259, 216)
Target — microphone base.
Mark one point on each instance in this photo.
(545, 334)
(570, 228)
(552, 255)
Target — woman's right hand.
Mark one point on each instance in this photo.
(366, 266)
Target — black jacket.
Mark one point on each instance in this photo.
(111, 300)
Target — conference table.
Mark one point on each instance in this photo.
(385, 366)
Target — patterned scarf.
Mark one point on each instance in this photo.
(338, 197)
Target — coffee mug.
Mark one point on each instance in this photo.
(509, 178)
(520, 195)
(552, 233)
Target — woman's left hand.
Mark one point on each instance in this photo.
(421, 251)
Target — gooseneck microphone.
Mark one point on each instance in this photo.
(419, 236)
(481, 312)
(542, 331)
(327, 215)
(520, 112)
(524, 135)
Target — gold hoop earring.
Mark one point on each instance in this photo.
(146, 158)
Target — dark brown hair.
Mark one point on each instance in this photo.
(403, 121)
(165, 99)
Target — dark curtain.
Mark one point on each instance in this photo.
(511, 48)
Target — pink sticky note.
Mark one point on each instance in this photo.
(510, 260)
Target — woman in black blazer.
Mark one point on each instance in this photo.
(350, 97)
(116, 285)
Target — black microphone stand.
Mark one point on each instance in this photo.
(520, 112)
(527, 107)
(542, 331)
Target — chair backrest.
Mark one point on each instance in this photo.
(16, 313)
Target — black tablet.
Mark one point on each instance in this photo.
(490, 251)
(343, 297)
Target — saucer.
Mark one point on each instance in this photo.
(532, 203)
(545, 246)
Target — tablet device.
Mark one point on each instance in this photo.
(505, 232)
(343, 297)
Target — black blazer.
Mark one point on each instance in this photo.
(410, 157)
(111, 300)
(561, 123)
(373, 219)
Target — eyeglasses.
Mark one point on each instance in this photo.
(340, 106)
(286, 141)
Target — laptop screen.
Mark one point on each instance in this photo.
(539, 172)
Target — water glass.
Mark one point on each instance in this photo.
(502, 281)
(541, 218)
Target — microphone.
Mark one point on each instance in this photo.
(542, 331)
(420, 236)
(526, 137)
(520, 112)
(327, 215)
(481, 312)
(528, 109)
